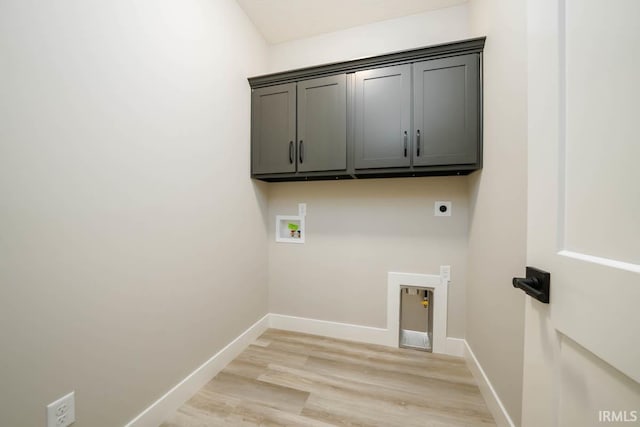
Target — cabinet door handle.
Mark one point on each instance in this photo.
(418, 143)
(405, 143)
(301, 151)
(290, 151)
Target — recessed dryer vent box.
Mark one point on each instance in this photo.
(290, 229)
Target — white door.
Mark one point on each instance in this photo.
(582, 351)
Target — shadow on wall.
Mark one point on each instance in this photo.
(261, 194)
(376, 208)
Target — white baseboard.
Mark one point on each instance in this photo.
(455, 347)
(494, 403)
(164, 407)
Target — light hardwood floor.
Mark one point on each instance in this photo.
(292, 379)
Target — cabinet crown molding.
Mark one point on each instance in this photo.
(474, 45)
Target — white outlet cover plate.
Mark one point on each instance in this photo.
(64, 409)
(438, 212)
(445, 272)
(302, 209)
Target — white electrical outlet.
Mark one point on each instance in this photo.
(62, 412)
(445, 272)
(302, 209)
(442, 209)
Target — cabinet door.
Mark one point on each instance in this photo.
(273, 129)
(382, 117)
(322, 124)
(446, 111)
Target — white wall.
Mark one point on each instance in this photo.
(360, 230)
(497, 237)
(414, 31)
(132, 241)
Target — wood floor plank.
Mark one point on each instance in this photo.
(362, 412)
(424, 367)
(424, 402)
(272, 395)
(204, 409)
(313, 342)
(258, 414)
(293, 379)
(391, 380)
(266, 355)
(246, 368)
(262, 342)
(208, 408)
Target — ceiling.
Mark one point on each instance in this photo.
(284, 20)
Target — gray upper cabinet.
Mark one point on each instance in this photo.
(446, 111)
(382, 134)
(322, 124)
(411, 113)
(273, 129)
(318, 109)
